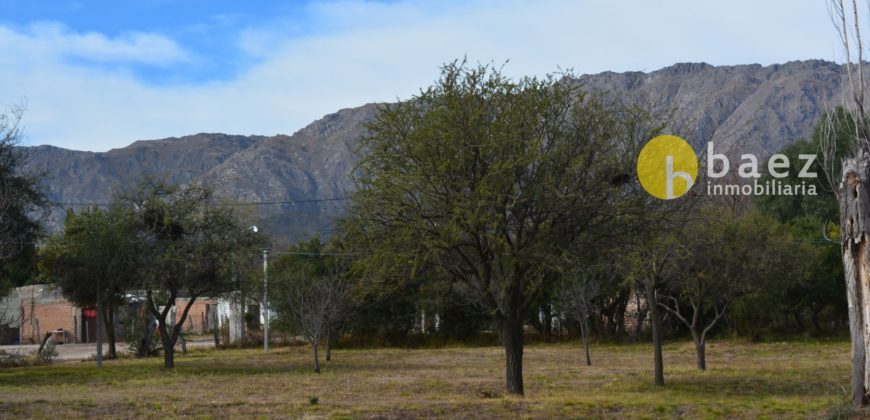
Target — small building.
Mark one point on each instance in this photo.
(27, 313)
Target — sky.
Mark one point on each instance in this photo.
(97, 75)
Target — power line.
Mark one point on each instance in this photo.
(241, 203)
(313, 254)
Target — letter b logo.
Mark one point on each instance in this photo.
(667, 167)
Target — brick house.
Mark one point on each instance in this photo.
(200, 317)
(27, 313)
(43, 308)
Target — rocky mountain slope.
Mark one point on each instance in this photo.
(760, 108)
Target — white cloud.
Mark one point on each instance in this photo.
(362, 52)
(51, 40)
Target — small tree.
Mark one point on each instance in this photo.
(651, 264)
(311, 293)
(721, 258)
(189, 245)
(316, 305)
(580, 286)
(96, 254)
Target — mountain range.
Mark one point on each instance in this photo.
(300, 180)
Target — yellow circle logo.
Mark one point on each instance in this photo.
(667, 167)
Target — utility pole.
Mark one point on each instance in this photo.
(99, 326)
(265, 300)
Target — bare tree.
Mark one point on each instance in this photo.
(317, 306)
(579, 288)
(339, 311)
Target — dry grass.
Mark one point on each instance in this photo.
(779, 380)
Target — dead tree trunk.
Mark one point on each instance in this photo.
(854, 202)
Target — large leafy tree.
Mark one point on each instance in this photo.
(98, 253)
(488, 181)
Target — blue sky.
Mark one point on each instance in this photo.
(96, 75)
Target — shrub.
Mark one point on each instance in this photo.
(47, 354)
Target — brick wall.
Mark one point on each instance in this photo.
(197, 317)
(40, 318)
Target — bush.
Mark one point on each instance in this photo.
(139, 335)
(47, 354)
(8, 360)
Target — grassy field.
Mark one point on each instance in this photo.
(776, 380)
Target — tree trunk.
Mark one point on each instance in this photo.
(584, 331)
(328, 347)
(168, 354)
(656, 324)
(147, 336)
(168, 345)
(700, 351)
(109, 321)
(244, 320)
(620, 315)
(215, 329)
(641, 314)
(316, 359)
(512, 341)
(799, 320)
(815, 318)
(854, 225)
(167, 337)
(547, 322)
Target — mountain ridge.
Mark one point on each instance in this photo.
(761, 108)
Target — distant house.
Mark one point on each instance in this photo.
(27, 313)
(30, 311)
